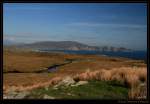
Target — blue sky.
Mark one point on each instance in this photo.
(111, 24)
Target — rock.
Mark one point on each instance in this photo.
(15, 95)
(70, 94)
(55, 88)
(48, 97)
(11, 93)
(65, 82)
(46, 88)
(8, 96)
(21, 95)
(4, 97)
(80, 83)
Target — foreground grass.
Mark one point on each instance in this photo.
(92, 90)
(130, 73)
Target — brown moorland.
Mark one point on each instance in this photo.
(85, 67)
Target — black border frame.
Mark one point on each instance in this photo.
(70, 101)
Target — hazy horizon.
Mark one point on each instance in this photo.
(95, 24)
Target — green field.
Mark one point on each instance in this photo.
(92, 90)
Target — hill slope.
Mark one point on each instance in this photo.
(66, 45)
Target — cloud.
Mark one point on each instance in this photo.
(27, 38)
(7, 37)
(86, 24)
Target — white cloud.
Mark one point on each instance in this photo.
(7, 37)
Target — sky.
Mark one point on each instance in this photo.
(95, 24)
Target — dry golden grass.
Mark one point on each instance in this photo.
(126, 75)
(53, 81)
(100, 68)
(35, 61)
(139, 92)
(142, 75)
(25, 79)
(129, 76)
(28, 62)
(131, 80)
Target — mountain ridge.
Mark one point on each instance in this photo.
(66, 45)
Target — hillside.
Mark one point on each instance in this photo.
(66, 45)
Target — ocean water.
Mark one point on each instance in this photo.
(138, 55)
(141, 55)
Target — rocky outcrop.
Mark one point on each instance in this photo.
(67, 81)
(48, 97)
(80, 83)
(13, 94)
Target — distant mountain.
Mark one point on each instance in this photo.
(57, 45)
(66, 45)
(7, 42)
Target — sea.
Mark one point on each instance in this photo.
(137, 55)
